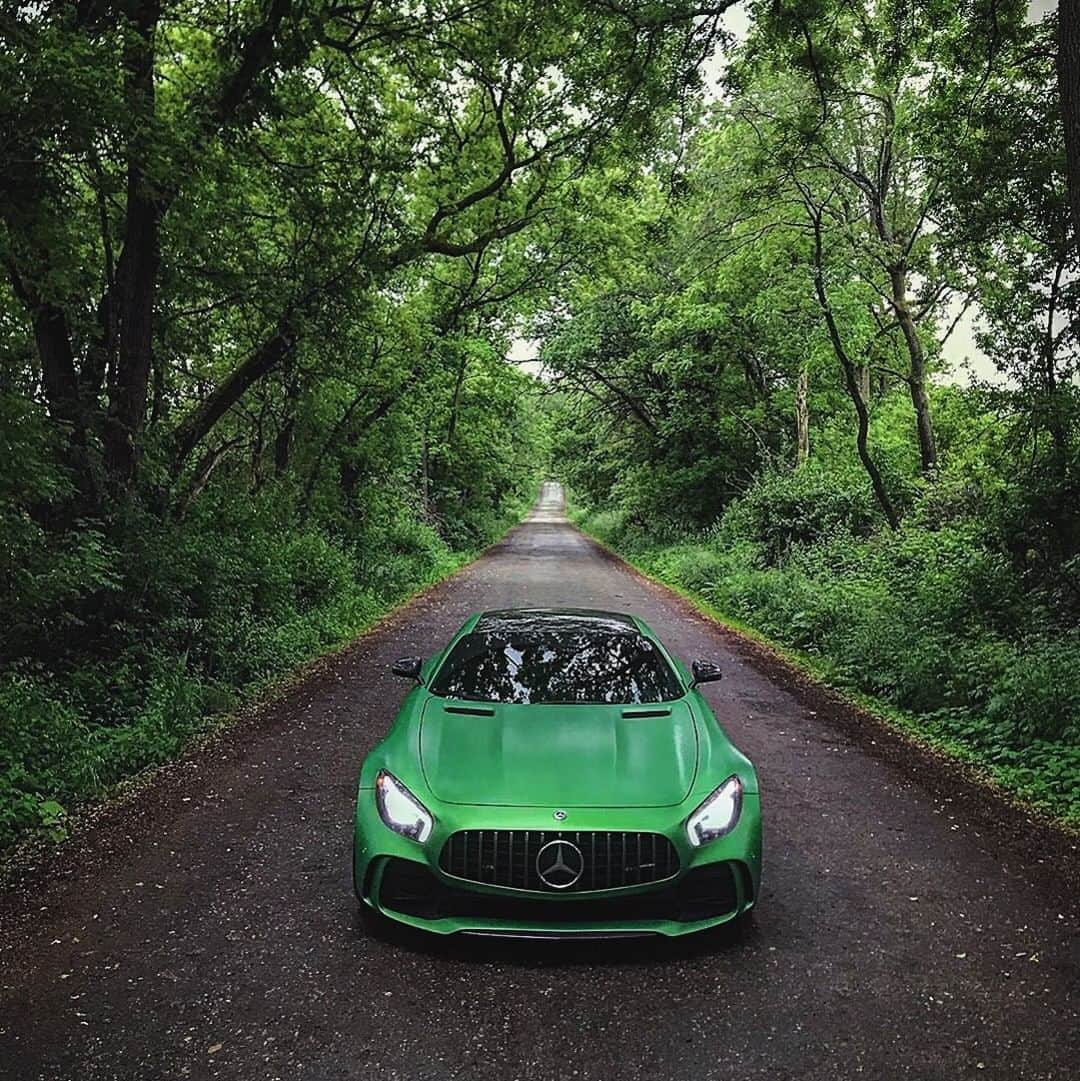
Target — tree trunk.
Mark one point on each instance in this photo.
(199, 478)
(851, 382)
(59, 381)
(127, 303)
(350, 472)
(324, 450)
(425, 476)
(862, 372)
(257, 449)
(283, 445)
(917, 370)
(197, 425)
(147, 203)
(862, 445)
(61, 387)
(138, 284)
(1068, 70)
(802, 419)
(1059, 433)
(284, 438)
(455, 401)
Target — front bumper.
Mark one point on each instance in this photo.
(403, 880)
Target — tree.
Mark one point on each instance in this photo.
(375, 137)
(1068, 79)
(1007, 226)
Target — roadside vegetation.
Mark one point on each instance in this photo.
(931, 625)
(774, 426)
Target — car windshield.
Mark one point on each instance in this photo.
(533, 666)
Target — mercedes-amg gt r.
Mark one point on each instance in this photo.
(555, 772)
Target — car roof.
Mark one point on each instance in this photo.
(581, 620)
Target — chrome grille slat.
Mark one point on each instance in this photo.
(612, 858)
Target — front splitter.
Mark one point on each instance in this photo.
(561, 935)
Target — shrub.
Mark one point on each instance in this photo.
(931, 619)
(696, 567)
(1038, 694)
(176, 621)
(47, 750)
(788, 509)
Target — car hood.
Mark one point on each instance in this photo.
(559, 755)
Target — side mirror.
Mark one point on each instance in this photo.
(409, 667)
(705, 672)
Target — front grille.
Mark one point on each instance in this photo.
(702, 894)
(610, 858)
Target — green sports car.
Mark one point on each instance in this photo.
(555, 773)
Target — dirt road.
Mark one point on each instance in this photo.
(208, 929)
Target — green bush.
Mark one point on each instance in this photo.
(1038, 694)
(696, 567)
(931, 619)
(137, 641)
(174, 708)
(48, 750)
(788, 509)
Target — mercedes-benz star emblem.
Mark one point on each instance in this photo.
(559, 864)
(559, 816)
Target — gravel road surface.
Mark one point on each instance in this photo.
(207, 928)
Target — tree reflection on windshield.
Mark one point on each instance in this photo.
(533, 667)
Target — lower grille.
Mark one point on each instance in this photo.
(609, 859)
(705, 893)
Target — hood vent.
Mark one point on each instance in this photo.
(472, 711)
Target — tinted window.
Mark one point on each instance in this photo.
(505, 665)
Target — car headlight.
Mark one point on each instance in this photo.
(400, 809)
(717, 815)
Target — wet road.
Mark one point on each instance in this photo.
(209, 929)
